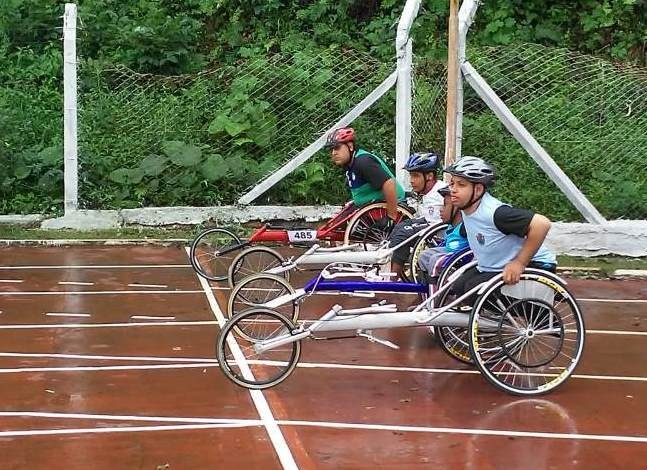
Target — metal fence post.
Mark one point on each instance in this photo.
(404, 52)
(70, 109)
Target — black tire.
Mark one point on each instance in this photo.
(254, 260)
(256, 291)
(205, 254)
(238, 358)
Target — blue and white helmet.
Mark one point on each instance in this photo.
(423, 162)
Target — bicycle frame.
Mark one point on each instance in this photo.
(387, 316)
(348, 254)
(332, 230)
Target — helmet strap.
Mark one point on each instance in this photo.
(472, 199)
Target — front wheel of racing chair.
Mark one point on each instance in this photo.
(526, 338)
(212, 251)
(363, 221)
(254, 260)
(256, 291)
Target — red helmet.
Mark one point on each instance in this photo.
(340, 136)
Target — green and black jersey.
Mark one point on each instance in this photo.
(366, 175)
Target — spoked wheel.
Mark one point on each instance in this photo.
(212, 252)
(357, 230)
(454, 340)
(239, 358)
(432, 238)
(257, 291)
(527, 339)
(254, 260)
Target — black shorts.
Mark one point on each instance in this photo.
(400, 233)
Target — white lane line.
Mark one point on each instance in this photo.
(158, 286)
(107, 417)
(470, 431)
(108, 325)
(123, 429)
(105, 292)
(615, 301)
(75, 283)
(276, 436)
(211, 423)
(107, 368)
(110, 358)
(63, 314)
(426, 370)
(98, 266)
(198, 362)
(15, 281)
(616, 332)
(151, 317)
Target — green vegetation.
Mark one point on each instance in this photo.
(190, 166)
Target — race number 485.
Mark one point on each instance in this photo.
(302, 235)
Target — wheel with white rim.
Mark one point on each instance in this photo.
(240, 359)
(256, 291)
(361, 226)
(527, 338)
(212, 252)
(254, 260)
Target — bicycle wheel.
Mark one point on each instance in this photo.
(239, 358)
(256, 259)
(256, 291)
(359, 227)
(433, 237)
(527, 338)
(206, 254)
(454, 340)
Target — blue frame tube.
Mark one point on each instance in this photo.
(354, 286)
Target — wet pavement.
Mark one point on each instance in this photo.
(123, 376)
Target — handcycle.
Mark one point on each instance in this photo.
(371, 249)
(525, 339)
(212, 250)
(269, 289)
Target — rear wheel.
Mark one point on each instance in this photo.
(433, 236)
(527, 338)
(361, 226)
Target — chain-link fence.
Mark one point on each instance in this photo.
(589, 114)
(31, 123)
(148, 140)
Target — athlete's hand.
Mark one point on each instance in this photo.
(512, 272)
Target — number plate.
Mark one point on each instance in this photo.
(302, 235)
